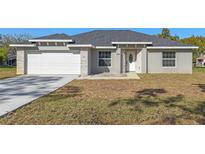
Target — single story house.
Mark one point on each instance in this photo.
(99, 51)
(11, 60)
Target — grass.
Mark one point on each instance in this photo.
(155, 99)
(6, 72)
(199, 69)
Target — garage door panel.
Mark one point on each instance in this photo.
(53, 63)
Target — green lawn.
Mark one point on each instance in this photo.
(199, 69)
(155, 99)
(6, 72)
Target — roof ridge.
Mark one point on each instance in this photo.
(53, 35)
(92, 31)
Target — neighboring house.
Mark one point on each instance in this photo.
(200, 61)
(99, 51)
(11, 60)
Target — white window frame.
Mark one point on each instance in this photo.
(98, 58)
(169, 59)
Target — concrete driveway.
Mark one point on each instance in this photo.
(18, 91)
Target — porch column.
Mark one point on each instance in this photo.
(118, 61)
(85, 61)
(144, 66)
(123, 64)
(20, 62)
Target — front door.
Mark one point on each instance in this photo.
(131, 61)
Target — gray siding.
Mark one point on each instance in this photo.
(115, 67)
(183, 61)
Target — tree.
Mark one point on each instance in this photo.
(167, 35)
(16, 38)
(7, 39)
(193, 40)
(175, 38)
(3, 54)
(196, 41)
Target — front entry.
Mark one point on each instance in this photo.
(131, 61)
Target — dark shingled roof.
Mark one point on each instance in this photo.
(55, 36)
(105, 37)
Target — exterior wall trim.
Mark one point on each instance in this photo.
(105, 47)
(131, 42)
(22, 45)
(81, 45)
(169, 47)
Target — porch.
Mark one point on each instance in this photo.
(108, 76)
(113, 61)
(133, 60)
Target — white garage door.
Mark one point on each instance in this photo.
(53, 62)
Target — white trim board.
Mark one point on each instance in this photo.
(80, 45)
(131, 42)
(22, 45)
(174, 47)
(105, 47)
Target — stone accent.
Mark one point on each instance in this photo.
(20, 62)
(84, 56)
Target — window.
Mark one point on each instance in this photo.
(130, 58)
(168, 59)
(104, 58)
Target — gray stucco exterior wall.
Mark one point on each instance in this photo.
(151, 61)
(183, 61)
(115, 67)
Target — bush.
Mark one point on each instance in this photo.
(3, 54)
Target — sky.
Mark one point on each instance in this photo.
(36, 32)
